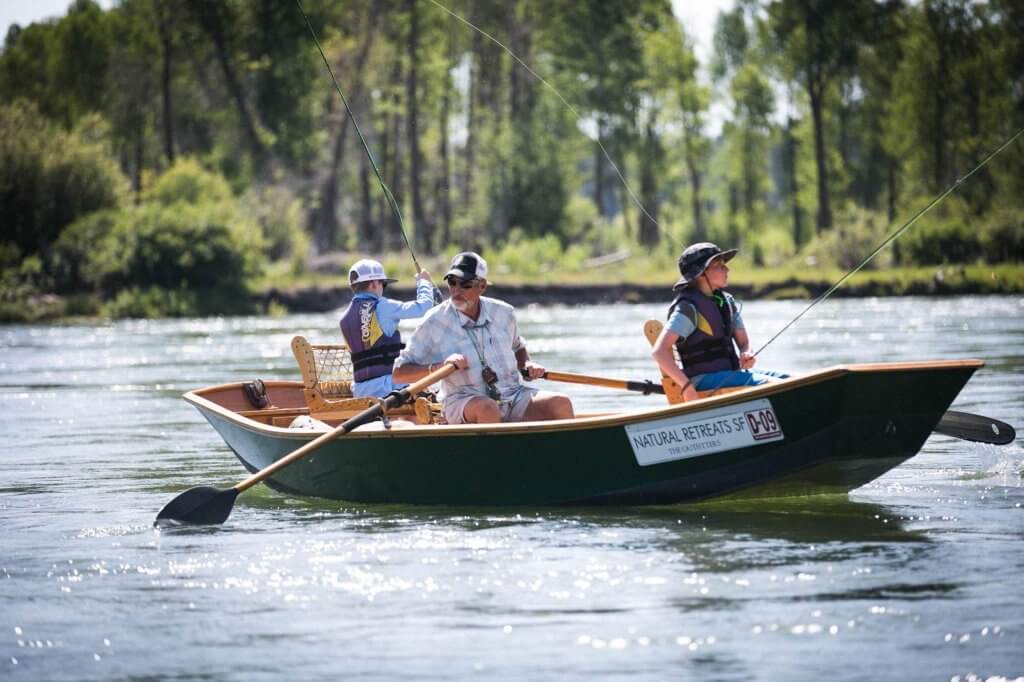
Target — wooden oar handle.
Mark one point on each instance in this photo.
(645, 387)
(364, 417)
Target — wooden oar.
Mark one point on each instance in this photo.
(963, 425)
(204, 505)
(645, 387)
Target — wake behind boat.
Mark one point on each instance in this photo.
(829, 431)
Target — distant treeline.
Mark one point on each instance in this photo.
(160, 150)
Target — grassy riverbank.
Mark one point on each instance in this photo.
(630, 282)
(627, 281)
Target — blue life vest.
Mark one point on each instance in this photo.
(373, 351)
(710, 347)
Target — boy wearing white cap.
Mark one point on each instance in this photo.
(370, 326)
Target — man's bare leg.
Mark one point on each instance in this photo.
(545, 406)
(481, 411)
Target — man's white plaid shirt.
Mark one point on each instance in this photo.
(445, 331)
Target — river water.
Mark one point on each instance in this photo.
(916, 576)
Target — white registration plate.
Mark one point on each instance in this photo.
(695, 435)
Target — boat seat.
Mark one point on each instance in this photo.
(673, 392)
(327, 386)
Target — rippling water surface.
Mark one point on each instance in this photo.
(915, 576)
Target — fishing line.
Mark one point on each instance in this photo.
(888, 240)
(892, 237)
(571, 108)
(369, 155)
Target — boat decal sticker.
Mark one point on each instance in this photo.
(695, 435)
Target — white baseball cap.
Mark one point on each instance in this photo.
(367, 270)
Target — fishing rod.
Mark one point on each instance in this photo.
(387, 192)
(878, 249)
(607, 156)
(895, 235)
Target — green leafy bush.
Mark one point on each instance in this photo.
(70, 257)
(49, 178)
(152, 302)
(186, 250)
(1003, 236)
(856, 233)
(279, 215)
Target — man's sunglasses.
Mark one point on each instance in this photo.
(454, 281)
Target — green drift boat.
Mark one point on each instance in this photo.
(826, 432)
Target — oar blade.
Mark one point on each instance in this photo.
(976, 428)
(200, 506)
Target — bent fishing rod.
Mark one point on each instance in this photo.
(351, 117)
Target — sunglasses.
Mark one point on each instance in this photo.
(454, 281)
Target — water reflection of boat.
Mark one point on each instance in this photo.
(826, 432)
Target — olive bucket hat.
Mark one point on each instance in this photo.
(695, 260)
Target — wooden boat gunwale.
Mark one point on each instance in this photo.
(619, 418)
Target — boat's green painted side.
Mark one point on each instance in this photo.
(842, 428)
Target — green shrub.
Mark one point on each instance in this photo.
(279, 215)
(49, 178)
(856, 233)
(525, 256)
(947, 234)
(177, 248)
(186, 250)
(69, 259)
(771, 247)
(20, 283)
(152, 302)
(188, 182)
(1003, 236)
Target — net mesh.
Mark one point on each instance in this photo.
(333, 371)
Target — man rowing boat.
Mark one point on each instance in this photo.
(479, 335)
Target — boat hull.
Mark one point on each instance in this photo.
(836, 430)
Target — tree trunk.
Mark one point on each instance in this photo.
(599, 170)
(648, 229)
(791, 156)
(699, 231)
(443, 190)
(472, 120)
(749, 176)
(396, 236)
(369, 238)
(140, 146)
(939, 121)
(166, 57)
(212, 22)
(821, 163)
(324, 217)
(424, 230)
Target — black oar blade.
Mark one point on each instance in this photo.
(976, 428)
(201, 506)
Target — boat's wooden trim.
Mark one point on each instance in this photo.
(969, 363)
(579, 423)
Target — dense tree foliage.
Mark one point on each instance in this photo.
(814, 125)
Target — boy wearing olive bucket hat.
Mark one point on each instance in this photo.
(705, 326)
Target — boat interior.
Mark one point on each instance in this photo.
(325, 392)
